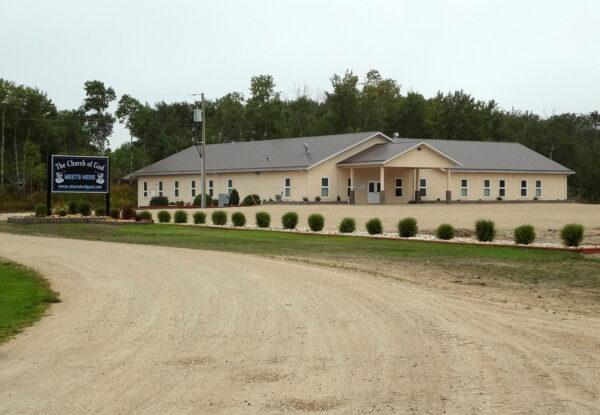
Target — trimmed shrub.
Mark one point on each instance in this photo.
(289, 220)
(164, 216)
(524, 234)
(251, 200)
(374, 226)
(115, 213)
(62, 212)
(316, 221)
(238, 219)
(234, 198)
(145, 215)
(84, 208)
(72, 206)
(198, 200)
(199, 218)
(572, 234)
(159, 201)
(407, 228)
(40, 211)
(445, 232)
(219, 217)
(127, 212)
(485, 230)
(180, 216)
(100, 212)
(263, 219)
(347, 225)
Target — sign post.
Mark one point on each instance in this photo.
(77, 174)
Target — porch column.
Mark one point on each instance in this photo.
(382, 181)
(448, 191)
(417, 187)
(352, 198)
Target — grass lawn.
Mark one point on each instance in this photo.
(24, 297)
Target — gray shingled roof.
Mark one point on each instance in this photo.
(282, 154)
(472, 155)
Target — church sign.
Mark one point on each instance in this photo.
(79, 174)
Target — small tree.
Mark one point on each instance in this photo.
(407, 228)
(347, 225)
(572, 234)
(485, 230)
(374, 226)
(238, 219)
(263, 219)
(316, 222)
(524, 234)
(234, 198)
(289, 220)
(180, 216)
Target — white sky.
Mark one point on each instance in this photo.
(542, 56)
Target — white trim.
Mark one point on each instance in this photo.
(328, 187)
(160, 188)
(423, 143)
(193, 188)
(423, 187)
(487, 188)
(466, 196)
(211, 188)
(521, 189)
(502, 179)
(536, 188)
(175, 188)
(286, 187)
(145, 188)
(350, 148)
(492, 171)
(401, 187)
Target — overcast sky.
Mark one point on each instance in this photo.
(542, 56)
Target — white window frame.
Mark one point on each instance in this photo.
(523, 188)
(538, 189)
(465, 188)
(287, 187)
(229, 186)
(488, 188)
(325, 189)
(401, 187)
(211, 188)
(176, 188)
(501, 188)
(193, 188)
(160, 188)
(145, 189)
(421, 187)
(349, 186)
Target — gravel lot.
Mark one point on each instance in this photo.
(145, 329)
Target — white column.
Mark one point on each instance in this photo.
(417, 186)
(448, 181)
(382, 181)
(352, 179)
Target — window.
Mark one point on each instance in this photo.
(287, 187)
(210, 188)
(398, 188)
(502, 188)
(464, 188)
(229, 186)
(193, 188)
(176, 188)
(538, 188)
(523, 188)
(349, 186)
(160, 190)
(145, 189)
(324, 186)
(423, 187)
(487, 190)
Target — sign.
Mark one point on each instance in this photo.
(79, 174)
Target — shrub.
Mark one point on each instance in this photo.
(347, 225)
(72, 206)
(115, 213)
(317, 198)
(485, 230)
(524, 234)
(62, 212)
(445, 232)
(316, 221)
(407, 227)
(145, 215)
(374, 226)
(263, 219)
(199, 218)
(100, 212)
(164, 216)
(238, 219)
(159, 201)
(128, 212)
(572, 234)
(234, 198)
(289, 220)
(251, 200)
(219, 217)
(198, 200)
(84, 208)
(40, 211)
(180, 216)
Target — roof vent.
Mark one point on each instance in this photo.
(396, 135)
(306, 149)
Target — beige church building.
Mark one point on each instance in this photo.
(359, 168)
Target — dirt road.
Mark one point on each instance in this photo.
(164, 330)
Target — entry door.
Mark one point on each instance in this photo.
(374, 187)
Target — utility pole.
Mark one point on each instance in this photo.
(200, 116)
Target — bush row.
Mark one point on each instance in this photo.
(234, 200)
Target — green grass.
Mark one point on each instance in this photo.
(24, 297)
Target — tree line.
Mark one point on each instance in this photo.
(32, 127)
